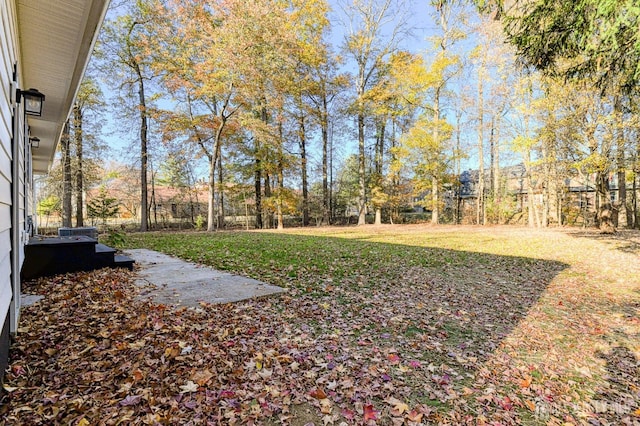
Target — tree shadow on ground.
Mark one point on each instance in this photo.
(626, 240)
(438, 305)
(618, 400)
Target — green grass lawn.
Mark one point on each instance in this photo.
(380, 325)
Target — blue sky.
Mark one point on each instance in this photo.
(123, 145)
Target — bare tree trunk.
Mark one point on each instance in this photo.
(212, 192)
(480, 217)
(280, 179)
(379, 158)
(622, 197)
(605, 208)
(326, 200)
(435, 202)
(258, 188)
(142, 104)
(545, 188)
(221, 224)
(362, 194)
(303, 166)
(258, 173)
(78, 137)
(621, 163)
(634, 198)
(332, 204)
(493, 172)
(154, 204)
(435, 198)
(531, 219)
(66, 177)
(268, 223)
(456, 156)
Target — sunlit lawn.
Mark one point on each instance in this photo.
(414, 324)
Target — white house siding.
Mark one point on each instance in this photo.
(7, 44)
(14, 184)
(18, 236)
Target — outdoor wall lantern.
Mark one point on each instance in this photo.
(35, 142)
(33, 100)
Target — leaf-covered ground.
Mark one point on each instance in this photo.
(380, 325)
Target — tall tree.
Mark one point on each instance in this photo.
(591, 41)
(124, 51)
(189, 53)
(375, 28)
(84, 125)
(326, 85)
(398, 97)
(65, 147)
(444, 67)
(585, 39)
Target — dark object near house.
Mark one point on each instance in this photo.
(59, 255)
(89, 231)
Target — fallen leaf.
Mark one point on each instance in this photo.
(131, 400)
(318, 393)
(202, 377)
(526, 382)
(137, 375)
(370, 413)
(414, 416)
(265, 373)
(189, 387)
(393, 358)
(506, 403)
(325, 406)
(348, 414)
(399, 407)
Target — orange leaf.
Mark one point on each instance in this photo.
(370, 413)
(394, 358)
(530, 405)
(526, 382)
(318, 393)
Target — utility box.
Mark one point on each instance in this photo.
(87, 231)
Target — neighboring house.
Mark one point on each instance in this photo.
(46, 45)
(179, 203)
(165, 202)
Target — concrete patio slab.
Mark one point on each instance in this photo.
(177, 282)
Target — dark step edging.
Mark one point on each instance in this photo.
(101, 248)
(122, 261)
(52, 256)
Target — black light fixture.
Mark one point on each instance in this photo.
(33, 100)
(35, 142)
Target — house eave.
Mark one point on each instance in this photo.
(56, 39)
